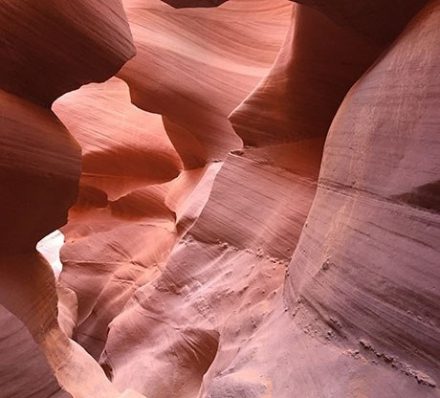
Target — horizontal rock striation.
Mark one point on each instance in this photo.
(48, 49)
(248, 191)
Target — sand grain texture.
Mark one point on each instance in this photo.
(248, 191)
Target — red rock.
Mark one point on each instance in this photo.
(184, 72)
(384, 261)
(40, 185)
(43, 45)
(53, 46)
(257, 211)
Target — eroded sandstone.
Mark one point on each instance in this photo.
(250, 208)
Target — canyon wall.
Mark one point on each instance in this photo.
(248, 191)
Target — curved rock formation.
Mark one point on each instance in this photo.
(256, 212)
(40, 169)
(56, 46)
(120, 196)
(24, 370)
(195, 66)
(123, 191)
(374, 277)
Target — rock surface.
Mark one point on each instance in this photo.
(250, 207)
(40, 165)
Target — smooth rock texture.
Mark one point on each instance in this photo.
(24, 370)
(247, 190)
(378, 248)
(120, 195)
(42, 46)
(194, 66)
(121, 198)
(38, 186)
(51, 47)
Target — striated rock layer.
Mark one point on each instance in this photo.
(250, 207)
(157, 199)
(42, 46)
(374, 277)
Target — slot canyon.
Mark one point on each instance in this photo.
(220, 198)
